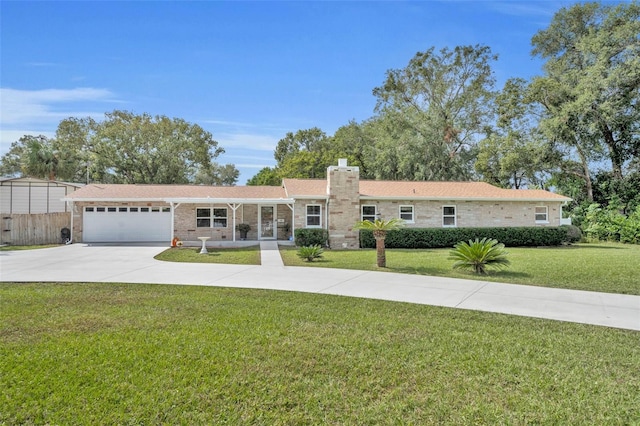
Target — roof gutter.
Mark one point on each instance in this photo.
(414, 198)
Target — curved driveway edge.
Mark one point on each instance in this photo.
(135, 264)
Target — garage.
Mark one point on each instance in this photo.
(126, 224)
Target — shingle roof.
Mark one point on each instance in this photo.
(301, 188)
(421, 190)
(312, 188)
(164, 192)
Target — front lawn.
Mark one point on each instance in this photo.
(32, 247)
(607, 267)
(154, 354)
(237, 256)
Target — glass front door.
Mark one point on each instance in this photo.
(267, 222)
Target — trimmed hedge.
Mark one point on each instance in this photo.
(420, 238)
(311, 237)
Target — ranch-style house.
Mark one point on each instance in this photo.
(158, 213)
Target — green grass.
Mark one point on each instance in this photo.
(607, 267)
(153, 354)
(238, 256)
(33, 247)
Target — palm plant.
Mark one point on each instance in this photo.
(310, 253)
(479, 255)
(380, 228)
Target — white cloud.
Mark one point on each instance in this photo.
(33, 106)
(38, 112)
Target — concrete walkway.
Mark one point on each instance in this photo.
(135, 264)
(270, 254)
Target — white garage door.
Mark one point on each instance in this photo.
(126, 224)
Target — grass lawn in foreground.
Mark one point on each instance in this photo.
(607, 267)
(155, 354)
(237, 256)
(33, 247)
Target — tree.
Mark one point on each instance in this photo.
(309, 140)
(266, 176)
(218, 175)
(380, 228)
(130, 148)
(439, 105)
(591, 85)
(11, 161)
(515, 153)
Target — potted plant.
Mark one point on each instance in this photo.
(243, 228)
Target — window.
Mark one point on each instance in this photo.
(369, 213)
(122, 209)
(144, 209)
(314, 215)
(542, 214)
(111, 209)
(100, 209)
(133, 209)
(207, 218)
(449, 216)
(203, 218)
(406, 213)
(220, 218)
(88, 209)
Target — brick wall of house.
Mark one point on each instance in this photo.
(428, 214)
(185, 222)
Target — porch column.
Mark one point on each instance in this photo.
(173, 220)
(234, 207)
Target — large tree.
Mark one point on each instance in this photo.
(515, 153)
(591, 85)
(123, 148)
(131, 148)
(438, 106)
(38, 156)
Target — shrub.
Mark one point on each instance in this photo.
(311, 237)
(479, 255)
(309, 253)
(574, 234)
(611, 225)
(419, 238)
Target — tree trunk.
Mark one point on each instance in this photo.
(380, 253)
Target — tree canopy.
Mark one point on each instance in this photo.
(123, 148)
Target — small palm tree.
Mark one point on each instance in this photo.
(479, 255)
(310, 253)
(380, 228)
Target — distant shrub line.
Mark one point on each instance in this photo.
(421, 238)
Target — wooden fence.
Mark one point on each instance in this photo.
(28, 229)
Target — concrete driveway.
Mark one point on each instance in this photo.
(135, 264)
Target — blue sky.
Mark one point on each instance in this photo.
(248, 72)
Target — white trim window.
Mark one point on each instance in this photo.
(369, 213)
(406, 213)
(207, 217)
(449, 216)
(542, 214)
(313, 215)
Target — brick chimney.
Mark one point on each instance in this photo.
(343, 189)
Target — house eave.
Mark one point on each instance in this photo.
(113, 200)
(209, 200)
(401, 198)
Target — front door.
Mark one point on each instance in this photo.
(267, 222)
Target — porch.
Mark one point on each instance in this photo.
(232, 222)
